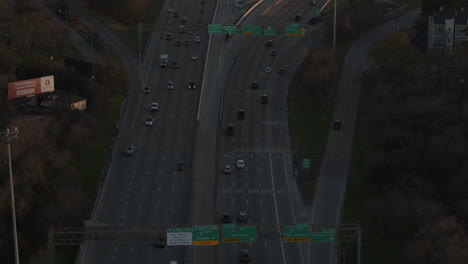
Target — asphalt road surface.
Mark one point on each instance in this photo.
(145, 189)
(335, 166)
(265, 188)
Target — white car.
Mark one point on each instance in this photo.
(170, 85)
(240, 164)
(154, 107)
(268, 69)
(194, 56)
(227, 169)
(169, 9)
(130, 150)
(197, 39)
(149, 121)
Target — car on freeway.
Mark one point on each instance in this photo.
(130, 150)
(227, 169)
(241, 114)
(244, 256)
(149, 121)
(313, 20)
(202, 2)
(264, 99)
(180, 166)
(173, 262)
(175, 65)
(226, 218)
(243, 216)
(298, 17)
(268, 70)
(199, 22)
(269, 43)
(191, 85)
(282, 70)
(189, 31)
(312, 3)
(175, 14)
(240, 164)
(202, 10)
(187, 43)
(195, 56)
(168, 36)
(197, 39)
(230, 129)
(170, 85)
(154, 107)
(146, 90)
(160, 243)
(184, 19)
(337, 124)
(274, 53)
(178, 43)
(181, 29)
(254, 85)
(169, 9)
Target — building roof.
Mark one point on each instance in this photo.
(448, 12)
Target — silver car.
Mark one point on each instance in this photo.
(170, 85)
(227, 169)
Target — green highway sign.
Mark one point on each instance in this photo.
(247, 29)
(291, 30)
(234, 233)
(215, 28)
(205, 235)
(269, 31)
(257, 30)
(297, 233)
(306, 163)
(326, 235)
(230, 29)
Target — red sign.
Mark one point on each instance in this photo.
(30, 87)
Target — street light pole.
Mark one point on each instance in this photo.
(7, 136)
(334, 24)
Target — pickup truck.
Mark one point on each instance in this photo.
(164, 60)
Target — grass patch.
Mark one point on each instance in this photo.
(358, 192)
(65, 254)
(129, 32)
(94, 160)
(310, 119)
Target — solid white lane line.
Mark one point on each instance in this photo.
(276, 206)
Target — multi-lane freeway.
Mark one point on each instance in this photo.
(190, 126)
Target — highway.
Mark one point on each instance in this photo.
(266, 188)
(145, 189)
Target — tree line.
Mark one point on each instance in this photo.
(49, 158)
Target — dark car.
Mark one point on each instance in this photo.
(264, 99)
(337, 124)
(180, 166)
(226, 218)
(168, 36)
(274, 53)
(230, 129)
(175, 65)
(178, 43)
(269, 43)
(254, 85)
(187, 43)
(281, 71)
(298, 17)
(175, 14)
(202, 10)
(313, 20)
(161, 243)
(146, 90)
(244, 256)
(241, 114)
(191, 85)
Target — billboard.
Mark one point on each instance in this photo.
(31, 87)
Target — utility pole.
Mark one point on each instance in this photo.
(334, 24)
(7, 135)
